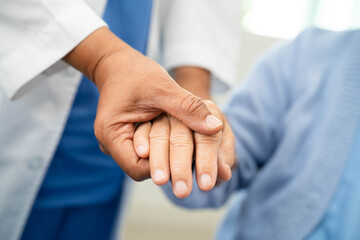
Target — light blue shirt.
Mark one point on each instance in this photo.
(342, 218)
(294, 121)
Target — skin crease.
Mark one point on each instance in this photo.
(133, 88)
(170, 145)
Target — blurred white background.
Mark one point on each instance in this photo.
(150, 215)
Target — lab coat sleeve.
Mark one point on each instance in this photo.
(203, 33)
(35, 34)
(255, 113)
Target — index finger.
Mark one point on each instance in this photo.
(206, 152)
(121, 149)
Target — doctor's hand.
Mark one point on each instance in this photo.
(133, 89)
(170, 145)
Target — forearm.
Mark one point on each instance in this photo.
(89, 54)
(194, 79)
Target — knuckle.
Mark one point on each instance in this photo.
(207, 140)
(227, 155)
(181, 140)
(214, 139)
(142, 127)
(180, 145)
(229, 141)
(210, 103)
(192, 104)
(159, 137)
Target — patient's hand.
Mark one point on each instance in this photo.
(170, 145)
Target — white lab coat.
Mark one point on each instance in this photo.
(37, 88)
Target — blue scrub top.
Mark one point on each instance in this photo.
(80, 173)
(342, 218)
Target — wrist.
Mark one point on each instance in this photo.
(88, 55)
(194, 79)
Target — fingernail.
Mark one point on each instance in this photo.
(205, 180)
(228, 167)
(180, 188)
(141, 149)
(158, 175)
(212, 122)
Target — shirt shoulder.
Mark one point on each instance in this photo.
(317, 42)
(313, 53)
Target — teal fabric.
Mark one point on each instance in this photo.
(342, 218)
(72, 223)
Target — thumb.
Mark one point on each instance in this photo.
(189, 109)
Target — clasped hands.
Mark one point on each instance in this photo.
(170, 146)
(133, 89)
